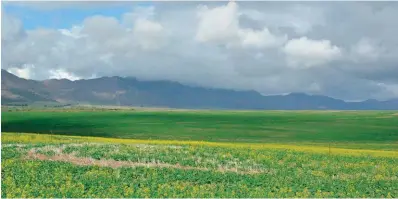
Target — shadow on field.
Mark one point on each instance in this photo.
(57, 126)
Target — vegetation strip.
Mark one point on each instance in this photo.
(41, 138)
(70, 158)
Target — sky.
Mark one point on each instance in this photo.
(345, 50)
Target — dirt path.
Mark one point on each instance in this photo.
(84, 161)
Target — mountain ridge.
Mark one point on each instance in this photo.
(129, 91)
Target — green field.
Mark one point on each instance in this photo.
(129, 153)
(220, 126)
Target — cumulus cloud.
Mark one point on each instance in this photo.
(74, 32)
(260, 39)
(149, 34)
(220, 25)
(304, 52)
(345, 50)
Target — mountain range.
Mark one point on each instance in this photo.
(132, 92)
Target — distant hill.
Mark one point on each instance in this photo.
(15, 89)
(132, 92)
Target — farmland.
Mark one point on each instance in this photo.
(129, 153)
(220, 126)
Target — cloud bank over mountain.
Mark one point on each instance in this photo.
(346, 50)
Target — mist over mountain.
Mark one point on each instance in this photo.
(132, 92)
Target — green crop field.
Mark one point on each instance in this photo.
(220, 126)
(130, 153)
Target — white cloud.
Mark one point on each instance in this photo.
(220, 25)
(74, 32)
(260, 39)
(219, 44)
(62, 74)
(25, 72)
(146, 32)
(149, 34)
(305, 53)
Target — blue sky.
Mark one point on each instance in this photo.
(61, 17)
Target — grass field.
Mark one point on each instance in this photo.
(220, 126)
(199, 154)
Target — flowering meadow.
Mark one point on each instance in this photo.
(38, 165)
